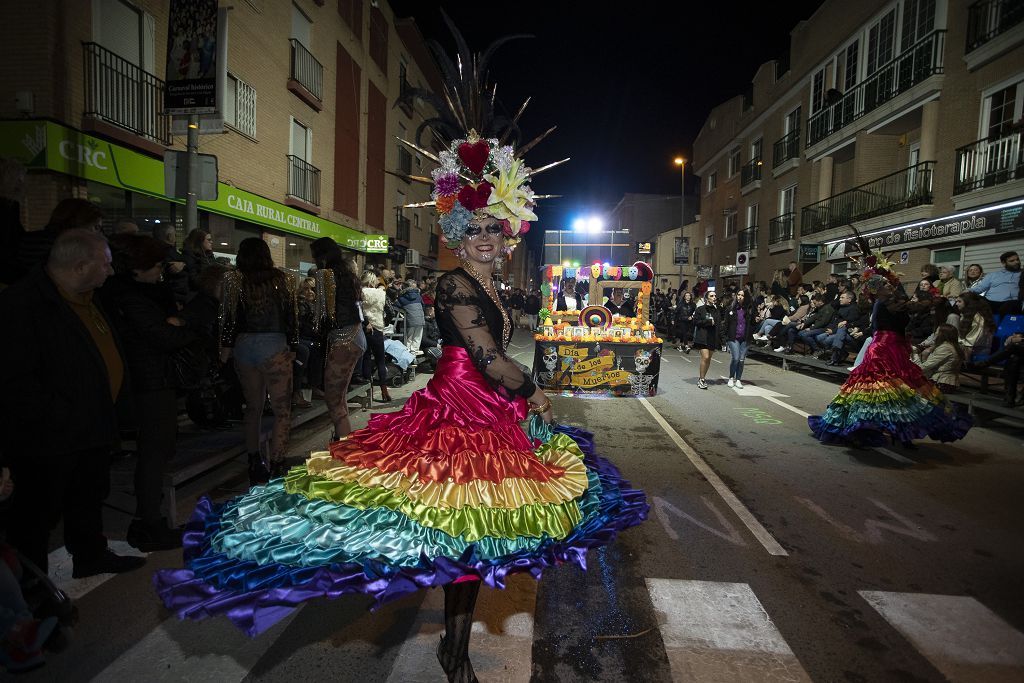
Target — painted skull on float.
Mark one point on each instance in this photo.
(550, 358)
(642, 360)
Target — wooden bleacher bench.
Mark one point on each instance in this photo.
(799, 359)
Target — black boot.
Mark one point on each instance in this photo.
(836, 357)
(152, 536)
(258, 472)
(453, 650)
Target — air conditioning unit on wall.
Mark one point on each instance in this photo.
(412, 257)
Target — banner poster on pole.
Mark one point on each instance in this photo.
(191, 57)
(681, 255)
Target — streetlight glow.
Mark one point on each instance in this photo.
(679, 161)
(594, 224)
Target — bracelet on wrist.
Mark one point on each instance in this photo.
(542, 408)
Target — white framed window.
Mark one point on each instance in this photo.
(240, 106)
(730, 224)
(752, 215)
(850, 65)
(756, 148)
(300, 144)
(709, 239)
(950, 257)
(787, 200)
(416, 220)
(918, 21)
(734, 162)
(712, 181)
(881, 44)
(792, 121)
(818, 88)
(1001, 106)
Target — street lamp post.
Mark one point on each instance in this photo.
(681, 163)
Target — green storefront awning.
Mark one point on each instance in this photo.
(52, 146)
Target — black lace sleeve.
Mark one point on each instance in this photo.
(467, 318)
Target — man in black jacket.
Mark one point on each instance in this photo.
(837, 331)
(61, 373)
(812, 325)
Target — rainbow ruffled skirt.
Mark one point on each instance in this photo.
(888, 395)
(448, 489)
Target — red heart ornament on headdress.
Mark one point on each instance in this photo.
(475, 198)
(474, 155)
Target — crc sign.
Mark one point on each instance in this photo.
(83, 154)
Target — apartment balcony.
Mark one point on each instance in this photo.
(404, 163)
(122, 99)
(892, 88)
(782, 233)
(987, 164)
(750, 176)
(306, 77)
(786, 153)
(303, 185)
(904, 189)
(747, 240)
(994, 27)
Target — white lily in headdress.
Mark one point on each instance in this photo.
(511, 198)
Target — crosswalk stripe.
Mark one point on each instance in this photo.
(962, 638)
(186, 650)
(720, 632)
(60, 566)
(501, 645)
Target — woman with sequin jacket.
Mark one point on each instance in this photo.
(259, 328)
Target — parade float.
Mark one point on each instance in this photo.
(593, 350)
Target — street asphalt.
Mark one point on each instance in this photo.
(766, 557)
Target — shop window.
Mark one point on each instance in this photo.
(112, 201)
(950, 258)
(298, 259)
(150, 212)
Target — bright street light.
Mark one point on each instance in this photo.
(594, 224)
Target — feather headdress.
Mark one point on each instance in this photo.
(877, 268)
(480, 172)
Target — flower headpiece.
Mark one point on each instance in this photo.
(478, 172)
(877, 269)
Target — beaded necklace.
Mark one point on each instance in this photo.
(488, 287)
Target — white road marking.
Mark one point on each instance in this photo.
(873, 528)
(186, 650)
(788, 407)
(60, 567)
(720, 632)
(501, 647)
(962, 638)
(662, 509)
(748, 519)
(895, 456)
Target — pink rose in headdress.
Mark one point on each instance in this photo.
(506, 227)
(524, 227)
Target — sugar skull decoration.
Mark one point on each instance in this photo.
(633, 272)
(642, 360)
(606, 273)
(550, 358)
(595, 271)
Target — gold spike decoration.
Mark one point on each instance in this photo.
(530, 145)
(538, 171)
(417, 148)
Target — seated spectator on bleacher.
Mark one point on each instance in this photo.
(976, 325)
(949, 286)
(1013, 349)
(925, 288)
(813, 324)
(833, 338)
(943, 313)
(777, 336)
(922, 321)
(943, 363)
(1002, 288)
(972, 275)
(770, 314)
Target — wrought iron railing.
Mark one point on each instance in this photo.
(988, 162)
(125, 95)
(306, 70)
(987, 19)
(915, 64)
(904, 189)
(786, 148)
(747, 239)
(780, 228)
(751, 171)
(303, 180)
(401, 227)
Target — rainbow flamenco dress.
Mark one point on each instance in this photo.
(887, 395)
(448, 489)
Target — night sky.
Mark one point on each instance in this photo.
(628, 88)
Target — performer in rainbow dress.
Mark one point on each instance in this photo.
(449, 491)
(887, 395)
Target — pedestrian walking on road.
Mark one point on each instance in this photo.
(738, 328)
(683, 321)
(706, 324)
